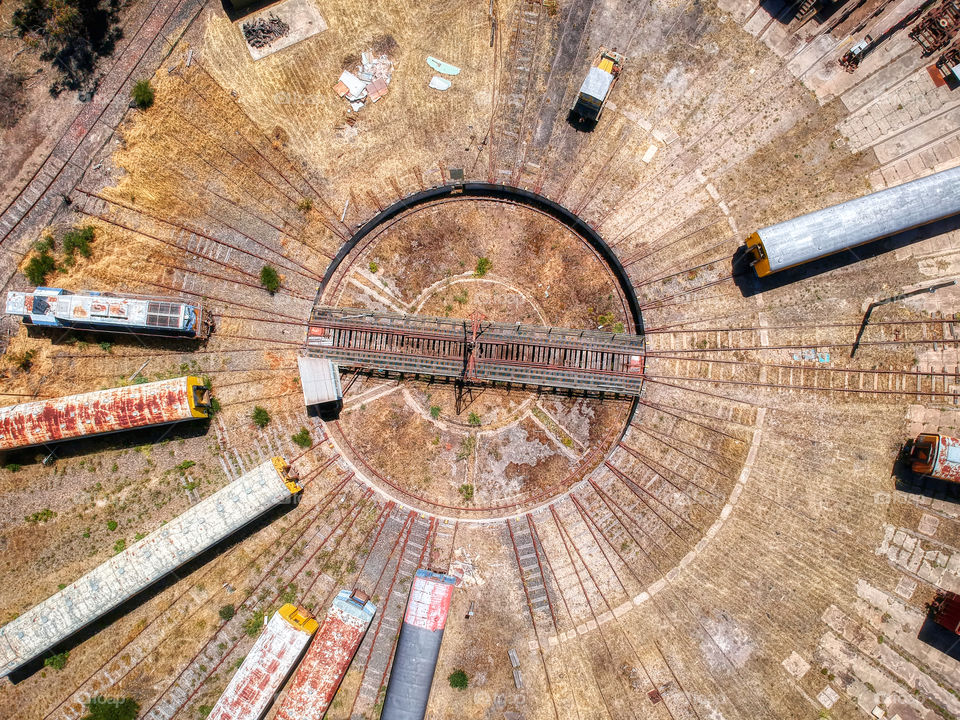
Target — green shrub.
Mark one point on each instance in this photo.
(374, 267)
(106, 346)
(12, 467)
(466, 491)
(458, 679)
(41, 517)
(435, 411)
(39, 267)
(261, 418)
(305, 205)
(227, 612)
(142, 94)
(23, 361)
(466, 447)
(78, 240)
(119, 546)
(253, 624)
(302, 438)
(473, 419)
(184, 466)
(111, 525)
(58, 661)
(461, 297)
(101, 708)
(483, 267)
(269, 279)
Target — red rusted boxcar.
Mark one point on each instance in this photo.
(330, 654)
(945, 611)
(936, 455)
(102, 412)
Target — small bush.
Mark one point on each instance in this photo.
(78, 240)
(184, 466)
(58, 661)
(305, 205)
(302, 438)
(111, 525)
(39, 267)
(23, 361)
(254, 624)
(461, 297)
(106, 347)
(466, 447)
(269, 279)
(483, 267)
(41, 517)
(473, 419)
(101, 708)
(142, 94)
(119, 546)
(466, 491)
(227, 612)
(374, 267)
(435, 412)
(458, 679)
(261, 418)
(12, 467)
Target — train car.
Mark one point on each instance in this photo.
(131, 571)
(418, 648)
(936, 455)
(103, 411)
(850, 224)
(330, 654)
(275, 653)
(106, 312)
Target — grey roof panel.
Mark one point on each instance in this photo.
(859, 221)
(597, 83)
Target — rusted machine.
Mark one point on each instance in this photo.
(937, 456)
(852, 57)
(938, 28)
(949, 64)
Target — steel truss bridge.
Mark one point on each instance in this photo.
(477, 352)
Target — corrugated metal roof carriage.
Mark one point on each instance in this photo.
(108, 312)
(145, 562)
(859, 221)
(103, 411)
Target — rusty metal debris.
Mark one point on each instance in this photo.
(259, 33)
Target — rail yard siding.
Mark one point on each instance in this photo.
(418, 647)
(859, 221)
(99, 412)
(326, 662)
(252, 688)
(139, 566)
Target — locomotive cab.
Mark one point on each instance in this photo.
(923, 454)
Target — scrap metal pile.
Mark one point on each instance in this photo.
(259, 33)
(369, 83)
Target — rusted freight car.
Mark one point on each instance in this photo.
(936, 455)
(103, 411)
(275, 653)
(40, 628)
(418, 647)
(330, 654)
(105, 312)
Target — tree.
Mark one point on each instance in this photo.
(39, 267)
(261, 418)
(269, 279)
(458, 679)
(104, 708)
(227, 612)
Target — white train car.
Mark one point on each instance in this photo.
(107, 586)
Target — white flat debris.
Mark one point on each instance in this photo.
(648, 155)
(356, 88)
(439, 83)
(442, 67)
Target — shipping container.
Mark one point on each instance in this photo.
(936, 455)
(131, 571)
(106, 312)
(103, 411)
(320, 382)
(330, 654)
(418, 648)
(265, 668)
